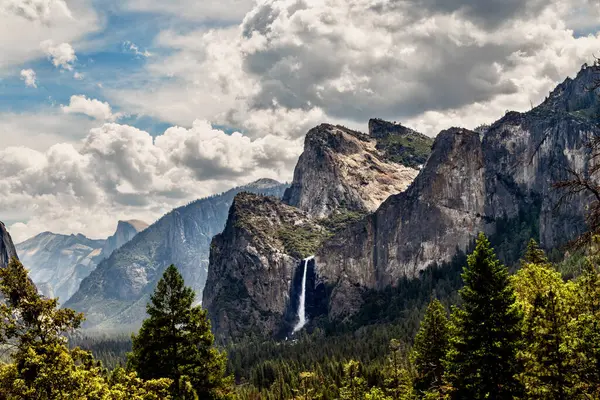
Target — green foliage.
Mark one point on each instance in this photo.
(341, 219)
(43, 367)
(430, 348)
(175, 342)
(302, 241)
(486, 331)
(411, 151)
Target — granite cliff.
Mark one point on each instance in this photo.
(497, 180)
(344, 169)
(7, 248)
(342, 175)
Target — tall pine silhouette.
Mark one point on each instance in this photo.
(176, 342)
(482, 360)
(430, 348)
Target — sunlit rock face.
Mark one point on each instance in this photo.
(344, 169)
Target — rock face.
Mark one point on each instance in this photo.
(7, 248)
(497, 180)
(115, 294)
(249, 287)
(58, 263)
(126, 230)
(343, 169)
(441, 212)
(469, 186)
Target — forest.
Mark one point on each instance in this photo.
(532, 334)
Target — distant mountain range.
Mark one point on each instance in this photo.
(58, 263)
(114, 295)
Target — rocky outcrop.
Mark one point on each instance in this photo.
(439, 214)
(115, 294)
(58, 263)
(7, 248)
(344, 169)
(253, 263)
(400, 144)
(126, 230)
(468, 186)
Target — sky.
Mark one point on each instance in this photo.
(122, 109)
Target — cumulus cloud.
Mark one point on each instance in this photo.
(24, 24)
(61, 55)
(35, 10)
(355, 59)
(78, 76)
(79, 104)
(29, 77)
(119, 171)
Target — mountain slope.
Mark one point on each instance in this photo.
(114, 296)
(58, 263)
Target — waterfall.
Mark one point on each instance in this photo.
(302, 305)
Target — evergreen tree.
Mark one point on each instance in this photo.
(548, 351)
(534, 254)
(43, 367)
(430, 348)
(587, 329)
(486, 332)
(176, 342)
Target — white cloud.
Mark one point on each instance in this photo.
(78, 76)
(221, 10)
(118, 171)
(29, 77)
(356, 59)
(79, 104)
(61, 55)
(41, 128)
(24, 24)
(132, 47)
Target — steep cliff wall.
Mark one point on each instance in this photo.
(344, 169)
(253, 264)
(7, 248)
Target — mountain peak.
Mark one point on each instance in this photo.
(343, 169)
(264, 183)
(574, 95)
(137, 224)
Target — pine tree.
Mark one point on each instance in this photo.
(587, 329)
(548, 307)
(43, 366)
(430, 348)
(534, 254)
(486, 332)
(176, 342)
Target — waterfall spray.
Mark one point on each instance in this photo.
(302, 305)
